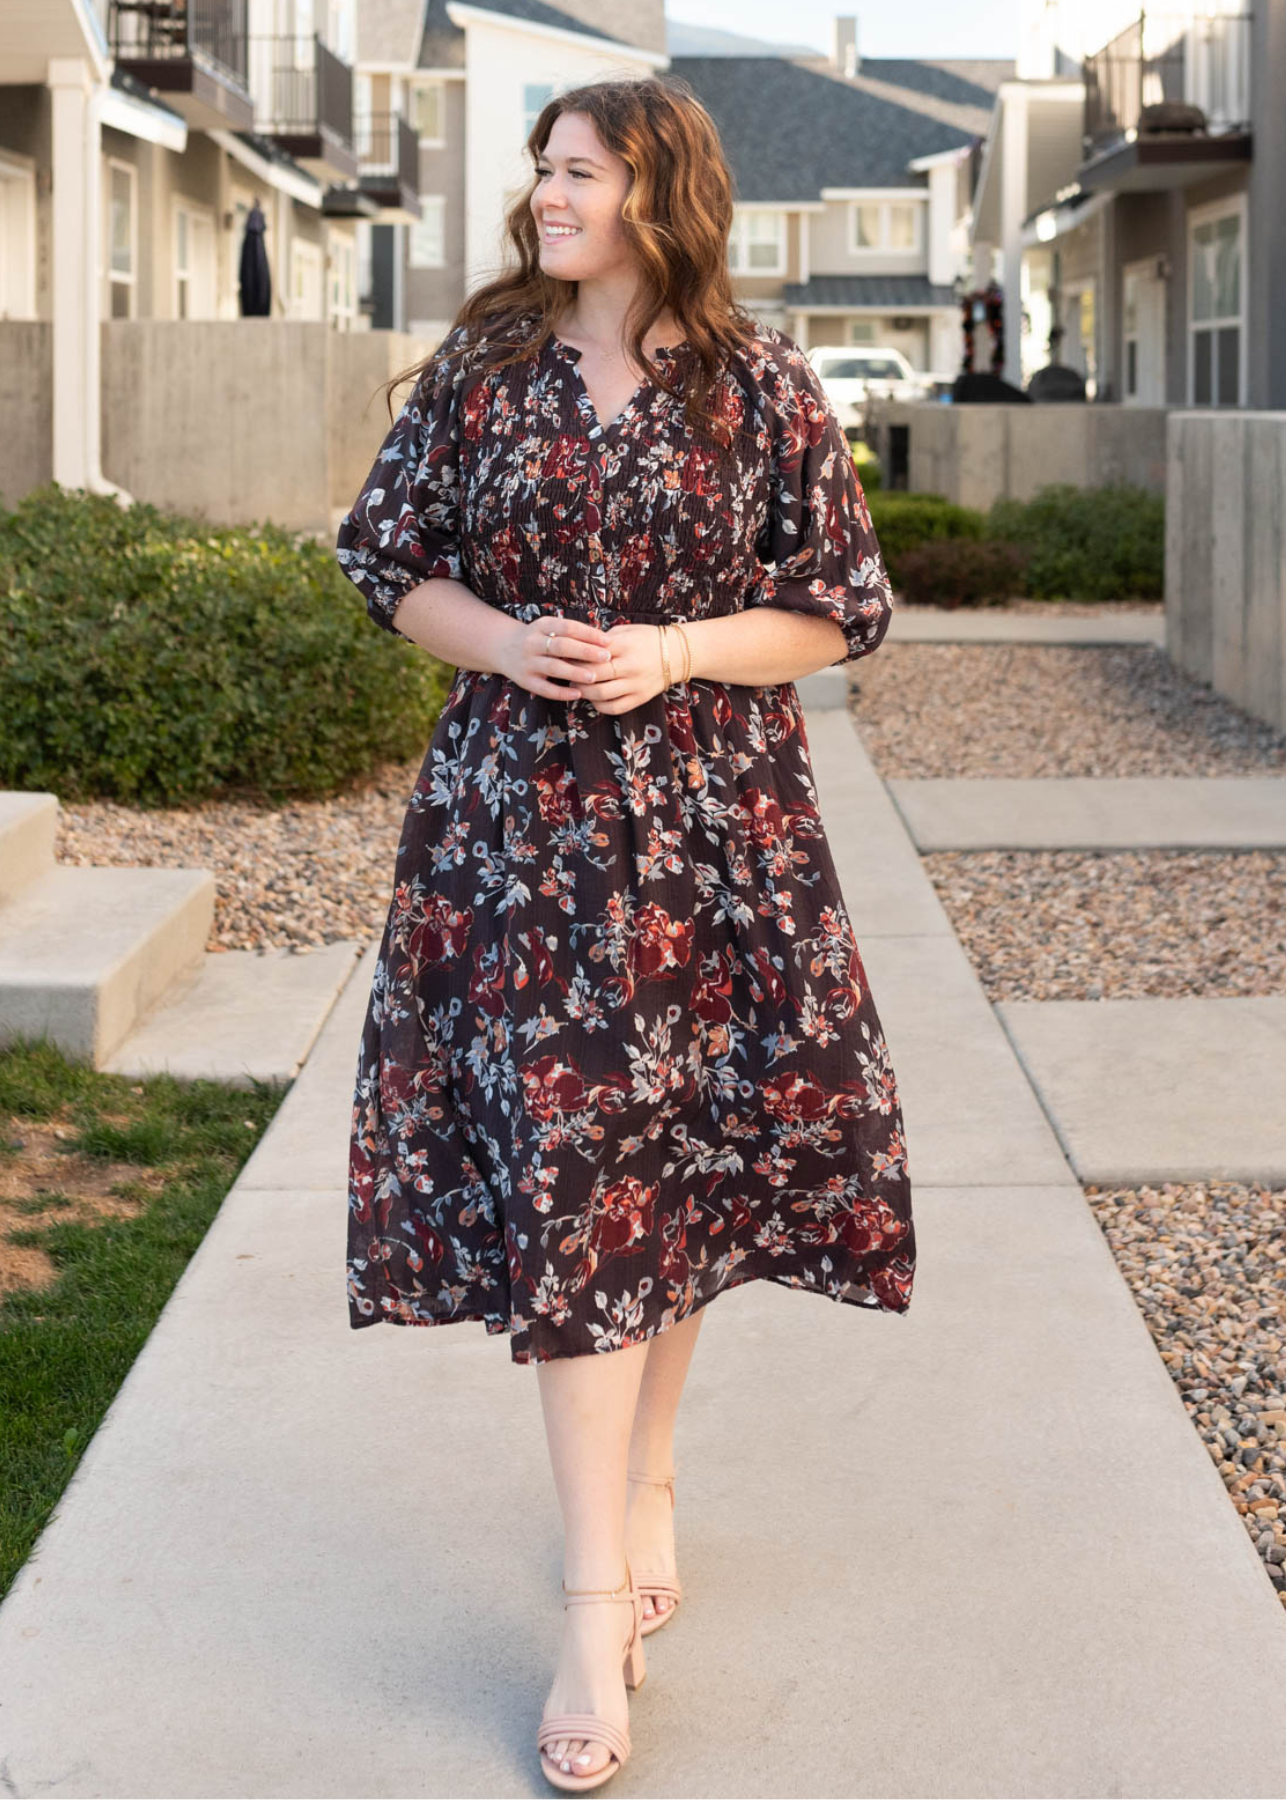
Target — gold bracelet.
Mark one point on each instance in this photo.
(687, 653)
(665, 657)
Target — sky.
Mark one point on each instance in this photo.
(927, 28)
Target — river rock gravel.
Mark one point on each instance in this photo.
(1031, 710)
(1206, 1262)
(1119, 924)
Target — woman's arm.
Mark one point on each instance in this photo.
(446, 618)
(759, 647)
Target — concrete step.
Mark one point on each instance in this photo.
(1122, 812)
(240, 1016)
(85, 953)
(993, 625)
(28, 826)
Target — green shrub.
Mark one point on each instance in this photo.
(963, 572)
(156, 659)
(905, 521)
(1103, 543)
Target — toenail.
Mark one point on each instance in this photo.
(584, 1756)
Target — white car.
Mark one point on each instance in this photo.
(849, 372)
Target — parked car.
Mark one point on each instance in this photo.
(852, 372)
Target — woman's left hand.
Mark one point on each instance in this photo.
(634, 673)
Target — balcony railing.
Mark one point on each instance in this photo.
(301, 89)
(1169, 57)
(177, 30)
(388, 144)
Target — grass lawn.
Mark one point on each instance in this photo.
(107, 1186)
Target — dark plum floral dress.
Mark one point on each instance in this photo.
(620, 1052)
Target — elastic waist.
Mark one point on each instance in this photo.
(604, 613)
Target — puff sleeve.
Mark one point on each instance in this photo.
(817, 536)
(402, 528)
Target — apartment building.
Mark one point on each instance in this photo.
(1134, 174)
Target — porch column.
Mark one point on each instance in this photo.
(76, 231)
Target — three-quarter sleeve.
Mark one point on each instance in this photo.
(817, 534)
(403, 527)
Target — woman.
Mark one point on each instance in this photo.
(620, 1053)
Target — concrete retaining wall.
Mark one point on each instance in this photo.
(233, 421)
(976, 454)
(1225, 555)
(26, 406)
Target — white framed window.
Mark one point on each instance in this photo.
(861, 331)
(1217, 303)
(428, 237)
(428, 112)
(886, 225)
(194, 280)
(121, 239)
(341, 287)
(757, 242)
(536, 95)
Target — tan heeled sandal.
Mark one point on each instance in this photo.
(655, 1583)
(588, 1727)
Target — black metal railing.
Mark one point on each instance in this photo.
(301, 88)
(171, 30)
(1165, 58)
(388, 144)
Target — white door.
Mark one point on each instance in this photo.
(1143, 371)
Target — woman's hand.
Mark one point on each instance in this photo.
(634, 673)
(576, 652)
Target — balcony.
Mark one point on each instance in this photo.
(1167, 102)
(388, 152)
(192, 51)
(303, 95)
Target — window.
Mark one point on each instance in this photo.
(428, 111)
(193, 263)
(121, 235)
(428, 246)
(757, 245)
(885, 225)
(536, 95)
(861, 331)
(1216, 299)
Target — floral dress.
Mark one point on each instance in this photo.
(620, 1052)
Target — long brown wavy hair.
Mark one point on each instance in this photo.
(677, 216)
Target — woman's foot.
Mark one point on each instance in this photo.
(649, 1537)
(590, 1679)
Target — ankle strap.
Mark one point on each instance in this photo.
(611, 1592)
(655, 1480)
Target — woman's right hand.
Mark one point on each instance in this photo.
(578, 653)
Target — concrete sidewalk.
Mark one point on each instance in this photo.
(974, 1550)
(1093, 812)
(996, 625)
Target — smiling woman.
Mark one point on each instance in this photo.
(621, 1055)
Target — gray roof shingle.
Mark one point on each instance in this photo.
(888, 291)
(791, 127)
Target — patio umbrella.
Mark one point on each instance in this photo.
(256, 277)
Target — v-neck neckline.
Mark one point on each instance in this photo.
(571, 354)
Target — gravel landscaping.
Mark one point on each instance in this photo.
(1120, 924)
(291, 877)
(1206, 1262)
(1050, 710)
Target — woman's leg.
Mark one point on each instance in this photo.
(589, 1406)
(649, 1514)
